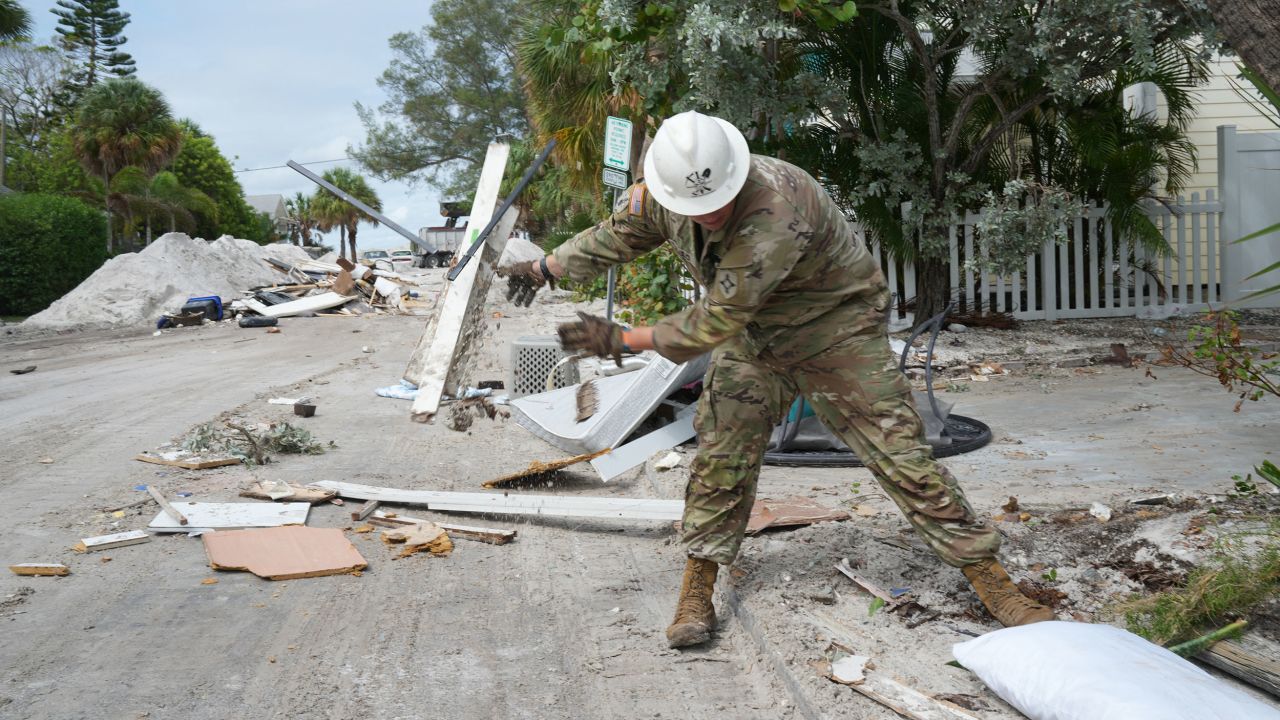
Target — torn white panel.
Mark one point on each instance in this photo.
(203, 516)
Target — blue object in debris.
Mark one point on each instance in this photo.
(210, 305)
(140, 488)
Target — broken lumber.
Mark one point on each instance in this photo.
(512, 504)
(1250, 658)
(310, 303)
(480, 534)
(166, 507)
(867, 585)
(115, 540)
(417, 537)
(364, 511)
(537, 468)
(40, 569)
(445, 342)
(188, 464)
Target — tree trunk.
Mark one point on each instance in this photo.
(351, 237)
(933, 287)
(342, 243)
(106, 204)
(1251, 28)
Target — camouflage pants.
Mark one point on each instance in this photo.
(861, 399)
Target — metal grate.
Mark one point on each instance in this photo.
(532, 358)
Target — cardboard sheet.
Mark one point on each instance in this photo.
(284, 553)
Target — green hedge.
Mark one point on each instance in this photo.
(48, 245)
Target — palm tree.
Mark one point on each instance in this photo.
(15, 21)
(332, 211)
(303, 215)
(123, 122)
(136, 195)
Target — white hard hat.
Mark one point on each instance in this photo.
(696, 164)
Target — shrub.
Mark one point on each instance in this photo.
(48, 245)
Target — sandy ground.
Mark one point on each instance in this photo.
(567, 621)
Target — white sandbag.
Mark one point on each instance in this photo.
(1077, 671)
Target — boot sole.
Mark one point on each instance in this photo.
(694, 635)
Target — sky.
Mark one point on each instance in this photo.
(276, 80)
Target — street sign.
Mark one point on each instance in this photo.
(617, 144)
(615, 179)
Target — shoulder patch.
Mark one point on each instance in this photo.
(638, 193)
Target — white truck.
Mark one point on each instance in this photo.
(441, 245)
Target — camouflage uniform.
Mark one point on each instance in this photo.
(794, 304)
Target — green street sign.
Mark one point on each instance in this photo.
(617, 144)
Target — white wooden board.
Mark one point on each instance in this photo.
(310, 303)
(431, 365)
(512, 504)
(619, 460)
(231, 516)
(115, 540)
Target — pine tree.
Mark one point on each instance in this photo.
(90, 31)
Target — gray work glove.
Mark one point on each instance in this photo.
(593, 336)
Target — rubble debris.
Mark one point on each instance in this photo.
(23, 370)
(40, 569)
(165, 507)
(365, 510)
(305, 410)
(284, 553)
(513, 504)
(1100, 511)
(480, 534)
(789, 512)
(115, 540)
(875, 590)
(667, 462)
(418, 537)
(850, 669)
(277, 490)
(186, 461)
(204, 516)
(539, 471)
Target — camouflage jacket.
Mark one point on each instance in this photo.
(786, 271)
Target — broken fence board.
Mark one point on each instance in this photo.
(232, 516)
(364, 511)
(1250, 658)
(165, 507)
(40, 569)
(445, 342)
(188, 464)
(115, 540)
(512, 504)
(488, 535)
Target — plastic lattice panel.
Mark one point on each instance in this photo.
(533, 357)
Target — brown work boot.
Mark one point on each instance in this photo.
(1003, 599)
(695, 616)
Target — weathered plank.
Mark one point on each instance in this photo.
(230, 516)
(512, 504)
(188, 464)
(1249, 658)
(431, 367)
(165, 507)
(45, 569)
(489, 535)
(115, 540)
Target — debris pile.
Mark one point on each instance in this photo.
(140, 287)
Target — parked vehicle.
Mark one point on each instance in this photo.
(402, 258)
(375, 255)
(441, 244)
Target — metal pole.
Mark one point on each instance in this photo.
(502, 210)
(352, 199)
(612, 283)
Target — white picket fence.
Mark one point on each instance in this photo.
(1092, 274)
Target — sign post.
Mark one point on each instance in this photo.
(616, 175)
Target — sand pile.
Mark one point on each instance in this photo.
(138, 288)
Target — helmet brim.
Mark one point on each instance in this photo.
(716, 199)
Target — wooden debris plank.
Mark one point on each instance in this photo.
(188, 464)
(232, 516)
(364, 511)
(43, 569)
(866, 584)
(1250, 658)
(541, 468)
(165, 507)
(115, 540)
(482, 534)
(513, 504)
(445, 342)
(311, 303)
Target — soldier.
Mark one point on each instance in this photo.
(794, 304)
